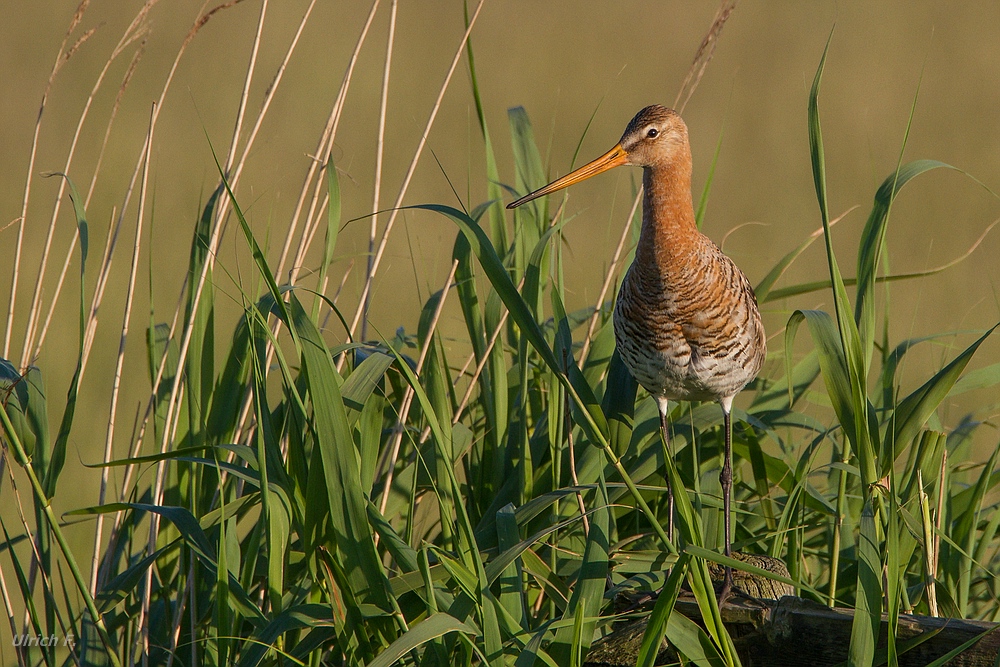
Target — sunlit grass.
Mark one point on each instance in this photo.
(315, 499)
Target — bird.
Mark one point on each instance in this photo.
(687, 325)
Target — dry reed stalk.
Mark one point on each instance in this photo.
(142, 638)
(199, 23)
(404, 408)
(316, 169)
(925, 523)
(132, 33)
(136, 29)
(323, 149)
(479, 367)
(320, 162)
(121, 358)
(10, 224)
(336, 295)
(61, 57)
(608, 276)
(379, 154)
(47, 582)
(268, 98)
(174, 400)
(938, 518)
(37, 570)
(217, 227)
(568, 420)
(178, 620)
(137, 440)
(703, 55)
(9, 609)
(245, 95)
(213, 247)
(489, 348)
(494, 337)
(120, 362)
(161, 367)
(309, 233)
(957, 260)
(158, 106)
(150, 405)
(112, 228)
(409, 175)
(475, 375)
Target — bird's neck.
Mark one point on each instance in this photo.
(668, 224)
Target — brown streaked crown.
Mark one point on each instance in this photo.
(656, 134)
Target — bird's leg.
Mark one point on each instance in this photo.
(726, 479)
(665, 430)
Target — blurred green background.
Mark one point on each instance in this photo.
(561, 60)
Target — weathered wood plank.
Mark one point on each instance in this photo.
(794, 632)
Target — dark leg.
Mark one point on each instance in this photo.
(726, 479)
(665, 430)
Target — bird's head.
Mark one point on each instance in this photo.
(656, 135)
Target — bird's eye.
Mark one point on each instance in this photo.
(652, 132)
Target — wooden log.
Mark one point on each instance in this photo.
(793, 632)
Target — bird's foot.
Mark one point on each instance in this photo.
(726, 592)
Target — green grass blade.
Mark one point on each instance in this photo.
(832, 364)
(764, 287)
(347, 504)
(981, 378)
(593, 422)
(43, 503)
(511, 589)
(199, 372)
(362, 382)
(856, 362)
(498, 223)
(333, 215)
(588, 594)
(619, 403)
(477, 584)
(227, 400)
(913, 411)
(893, 577)
(868, 607)
(430, 628)
(270, 513)
(964, 532)
(699, 215)
(519, 311)
(333, 225)
(656, 629)
(707, 554)
(31, 610)
(292, 619)
(50, 464)
(692, 642)
(25, 405)
(529, 655)
(873, 242)
(962, 648)
(689, 527)
(528, 170)
(223, 615)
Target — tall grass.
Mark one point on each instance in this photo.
(319, 499)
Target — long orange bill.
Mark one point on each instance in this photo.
(615, 157)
